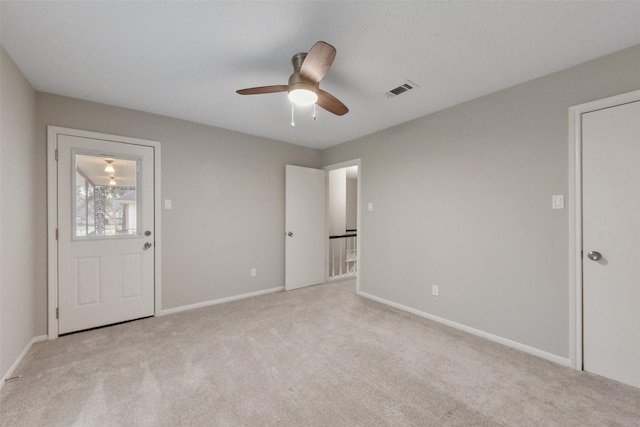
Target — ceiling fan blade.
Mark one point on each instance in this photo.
(318, 61)
(331, 103)
(262, 89)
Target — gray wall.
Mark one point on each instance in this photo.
(462, 199)
(352, 203)
(22, 269)
(337, 208)
(227, 190)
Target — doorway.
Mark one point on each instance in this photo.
(605, 246)
(103, 201)
(343, 221)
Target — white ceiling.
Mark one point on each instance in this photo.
(93, 168)
(186, 59)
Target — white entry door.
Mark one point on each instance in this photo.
(611, 242)
(106, 232)
(304, 227)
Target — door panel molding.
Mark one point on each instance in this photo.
(52, 215)
(575, 217)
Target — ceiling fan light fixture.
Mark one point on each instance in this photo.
(303, 97)
(112, 181)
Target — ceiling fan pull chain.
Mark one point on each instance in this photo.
(314, 111)
(293, 123)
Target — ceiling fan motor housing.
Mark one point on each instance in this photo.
(296, 81)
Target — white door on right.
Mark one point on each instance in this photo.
(611, 242)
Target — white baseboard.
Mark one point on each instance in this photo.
(495, 338)
(20, 357)
(220, 301)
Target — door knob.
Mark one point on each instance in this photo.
(290, 234)
(594, 255)
(147, 246)
(147, 233)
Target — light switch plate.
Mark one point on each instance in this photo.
(168, 204)
(557, 201)
(369, 206)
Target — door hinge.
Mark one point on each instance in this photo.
(57, 313)
(56, 234)
(56, 154)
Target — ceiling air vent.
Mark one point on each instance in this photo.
(403, 88)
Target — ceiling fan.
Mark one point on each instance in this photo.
(308, 69)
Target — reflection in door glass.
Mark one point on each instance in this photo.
(105, 196)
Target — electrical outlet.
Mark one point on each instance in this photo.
(434, 290)
(253, 272)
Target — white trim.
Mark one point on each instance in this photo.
(495, 338)
(575, 216)
(52, 225)
(52, 215)
(220, 301)
(19, 359)
(346, 164)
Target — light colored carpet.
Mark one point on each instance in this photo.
(319, 356)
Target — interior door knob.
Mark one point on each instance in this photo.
(290, 234)
(594, 255)
(147, 246)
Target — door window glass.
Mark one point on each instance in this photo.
(106, 200)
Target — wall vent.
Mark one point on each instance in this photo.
(403, 88)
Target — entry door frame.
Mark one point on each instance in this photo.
(575, 217)
(52, 215)
(346, 164)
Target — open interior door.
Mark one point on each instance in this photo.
(304, 226)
